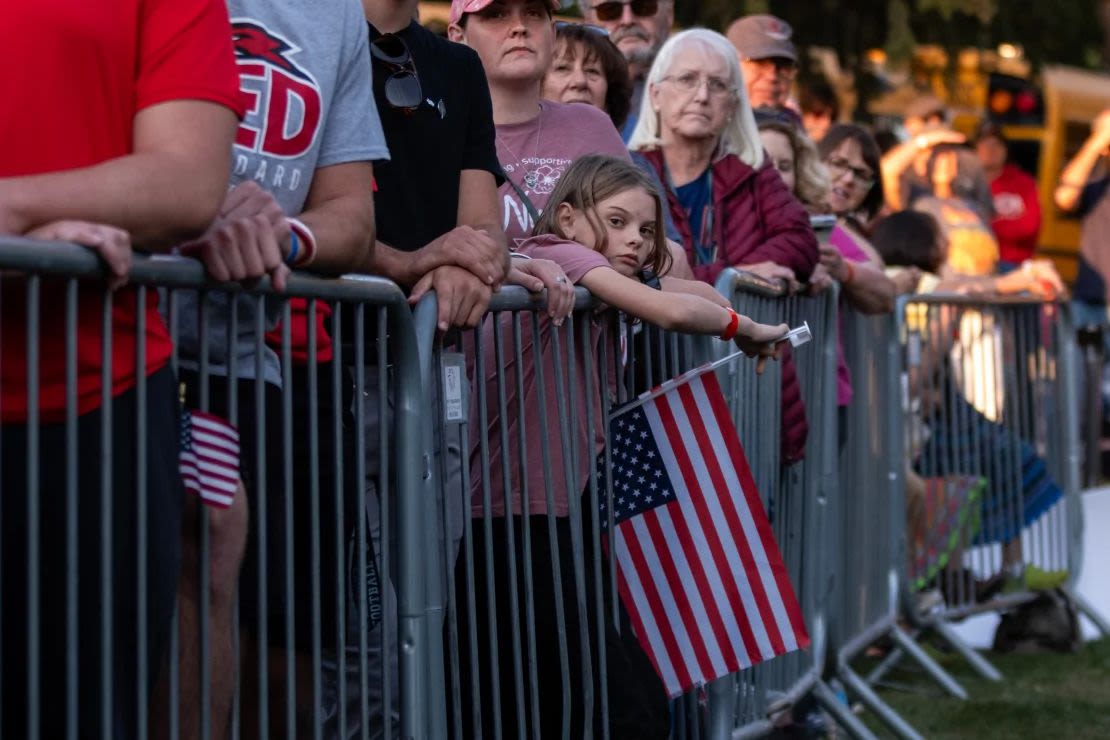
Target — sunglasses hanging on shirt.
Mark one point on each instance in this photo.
(402, 87)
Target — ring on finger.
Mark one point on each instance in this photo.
(561, 279)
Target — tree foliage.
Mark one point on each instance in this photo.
(1064, 32)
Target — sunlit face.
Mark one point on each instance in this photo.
(637, 36)
(575, 77)
(628, 219)
(514, 39)
(696, 98)
(778, 146)
(768, 80)
(851, 178)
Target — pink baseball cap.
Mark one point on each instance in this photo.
(461, 7)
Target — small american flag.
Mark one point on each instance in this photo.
(209, 459)
(699, 570)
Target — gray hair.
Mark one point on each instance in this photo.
(740, 135)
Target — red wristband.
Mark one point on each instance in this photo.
(733, 326)
(851, 272)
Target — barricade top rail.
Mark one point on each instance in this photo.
(961, 299)
(71, 260)
(732, 279)
(517, 298)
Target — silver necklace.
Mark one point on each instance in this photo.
(532, 177)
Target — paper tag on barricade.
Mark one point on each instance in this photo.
(454, 388)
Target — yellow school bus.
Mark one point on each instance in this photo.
(1072, 99)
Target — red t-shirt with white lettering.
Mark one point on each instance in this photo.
(77, 74)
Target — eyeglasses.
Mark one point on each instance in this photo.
(691, 82)
(614, 9)
(776, 65)
(838, 167)
(568, 25)
(402, 87)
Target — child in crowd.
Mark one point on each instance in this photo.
(603, 227)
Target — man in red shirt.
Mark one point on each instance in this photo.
(120, 121)
(1017, 208)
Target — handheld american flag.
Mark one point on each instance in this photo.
(699, 570)
(209, 459)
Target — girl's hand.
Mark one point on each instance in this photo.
(537, 274)
(760, 340)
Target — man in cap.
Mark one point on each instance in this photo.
(767, 56)
(638, 28)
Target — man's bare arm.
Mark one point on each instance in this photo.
(340, 212)
(168, 190)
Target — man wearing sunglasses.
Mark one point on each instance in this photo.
(638, 28)
(768, 58)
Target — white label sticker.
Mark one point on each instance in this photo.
(454, 393)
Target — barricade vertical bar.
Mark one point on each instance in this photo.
(107, 611)
(174, 657)
(260, 503)
(595, 528)
(141, 505)
(204, 674)
(34, 288)
(336, 403)
(72, 605)
(233, 418)
(287, 462)
(549, 501)
(359, 317)
(510, 540)
(526, 530)
(385, 517)
(314, 519)
(440, 424)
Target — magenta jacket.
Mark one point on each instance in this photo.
(756, 219)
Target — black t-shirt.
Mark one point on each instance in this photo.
(417, 198)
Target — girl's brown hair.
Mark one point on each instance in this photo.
(592, 179)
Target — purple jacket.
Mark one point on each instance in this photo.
(756, 219)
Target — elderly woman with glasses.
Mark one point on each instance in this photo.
(697, 135)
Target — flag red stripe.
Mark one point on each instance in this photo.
(695, 558)
(751, 495)
(670, 571)
(638, 625)
(728, 506)
(655, 603)
(678, 449)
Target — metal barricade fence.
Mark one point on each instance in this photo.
(796, 496)
(992, 429)
(869, 516)
(97, 527)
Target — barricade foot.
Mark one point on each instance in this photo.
(882, 710)
(842, 713)
(978, 663)
(1089, 611)
(887, 664)
(919, 656)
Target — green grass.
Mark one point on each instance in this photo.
(1040, 696)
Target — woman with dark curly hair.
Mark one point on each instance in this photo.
(588, 68)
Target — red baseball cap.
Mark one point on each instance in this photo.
(459, 8)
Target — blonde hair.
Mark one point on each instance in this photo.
(740, 135)
(811, 177)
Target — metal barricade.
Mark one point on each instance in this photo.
(992, 428)
(796, 496)
(121, 606)
(869, 520)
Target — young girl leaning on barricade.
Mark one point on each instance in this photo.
(603, 226)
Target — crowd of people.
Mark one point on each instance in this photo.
(262, 138)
